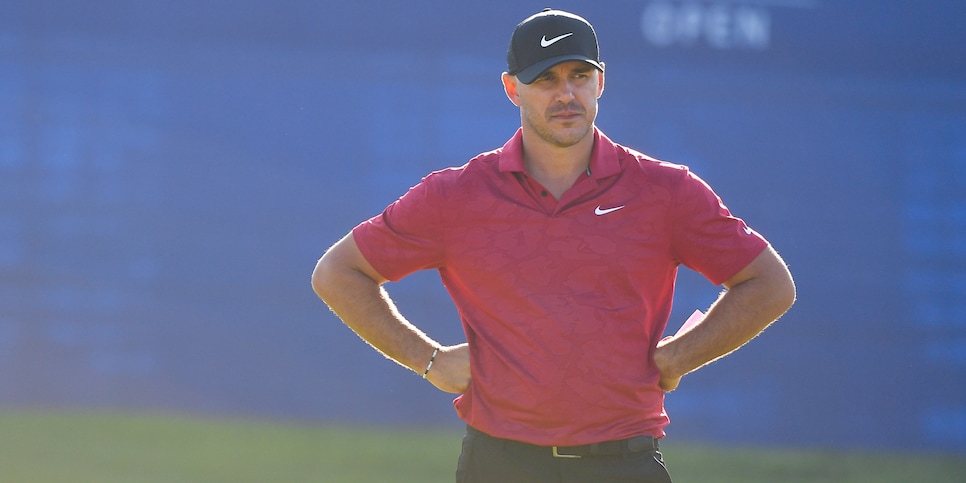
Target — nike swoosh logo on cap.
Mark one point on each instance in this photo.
(547, 43)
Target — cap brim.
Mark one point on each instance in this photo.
(531, 73)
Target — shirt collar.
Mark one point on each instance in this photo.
(604, 160)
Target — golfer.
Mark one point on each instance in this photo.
(560, 250)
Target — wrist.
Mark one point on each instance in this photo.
(664, 360)
(432, 359)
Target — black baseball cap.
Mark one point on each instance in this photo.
(548, 38)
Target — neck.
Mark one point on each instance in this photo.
(557, 168)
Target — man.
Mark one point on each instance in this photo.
(560, 251)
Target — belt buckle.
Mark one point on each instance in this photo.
(557, 454)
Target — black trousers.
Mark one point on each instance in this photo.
(486, 459)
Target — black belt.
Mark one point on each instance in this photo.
(618, 447)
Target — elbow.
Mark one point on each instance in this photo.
(790, 297)
(321, 278)
(786, 293)
(342, 273)
(778, 278)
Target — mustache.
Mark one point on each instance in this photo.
(569, 107)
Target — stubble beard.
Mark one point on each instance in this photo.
(561, 137)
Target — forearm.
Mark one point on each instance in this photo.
(754, 300)
(734, 319)
(365, 307)
(353, 290)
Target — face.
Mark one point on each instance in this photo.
(560, 106)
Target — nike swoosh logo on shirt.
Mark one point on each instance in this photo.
(547, 43)
(599, 211)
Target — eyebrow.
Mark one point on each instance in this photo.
(578, 69)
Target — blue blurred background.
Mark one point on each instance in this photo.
(170, 171)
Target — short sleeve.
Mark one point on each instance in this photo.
(406, 236)
(706, 237)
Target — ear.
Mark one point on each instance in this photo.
(600, 83)
(510, 87)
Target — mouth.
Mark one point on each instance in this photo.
(566, 113)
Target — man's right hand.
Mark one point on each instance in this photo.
(451, 369)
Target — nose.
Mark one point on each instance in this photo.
(566, 91)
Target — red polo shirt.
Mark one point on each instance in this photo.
(562, 301)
